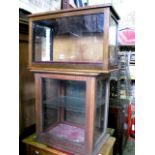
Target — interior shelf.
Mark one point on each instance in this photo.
(70, 103)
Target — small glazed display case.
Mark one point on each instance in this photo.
(72, 111)
(84, 39)
(72, 53)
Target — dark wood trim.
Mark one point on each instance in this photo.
(61, 109)
(63, 77)
(106, 39)
(30, 43)
(68, 14)
(90, 114)
(66, 71)
(67, 66)
(76, 9)
(107, 103)
(38, 100)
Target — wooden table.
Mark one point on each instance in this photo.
(35, 148)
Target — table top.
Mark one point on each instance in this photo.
(105, 150)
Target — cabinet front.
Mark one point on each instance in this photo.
(83, 39)
(71, 39)
(71, 111)
(63, 109)
(62, 118)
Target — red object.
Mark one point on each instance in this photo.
(129, 118)
(126, 36)
(132, 129)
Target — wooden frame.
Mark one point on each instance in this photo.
(89, 127)
(68, 67)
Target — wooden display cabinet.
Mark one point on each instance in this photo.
(84, 39)
(71, 53)
(72, 111)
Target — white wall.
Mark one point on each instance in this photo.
(35, 6)
(125, 9)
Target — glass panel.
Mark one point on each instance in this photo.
(75, 93)
(100, 109)
(50, 92)
(64, 109)
(42, 45)
(69, 39)
(112, 42)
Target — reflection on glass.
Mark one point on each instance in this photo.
(69, 39)
(112, 42)
(63, 105)
(50, 111)
(76, 93)
(100, 110)
(42, 43)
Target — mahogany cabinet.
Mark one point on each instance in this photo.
(71, 53)
(72, 111)
(84, 39)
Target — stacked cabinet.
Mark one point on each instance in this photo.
(72, 53)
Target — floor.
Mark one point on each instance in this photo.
(130, 147)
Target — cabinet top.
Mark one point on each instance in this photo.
(112, 9)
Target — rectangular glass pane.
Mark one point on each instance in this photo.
(42, 44)
(50, 93)
(100, 109)
(69, 39)
(75, 93)
(113, 42)
(63, 105)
